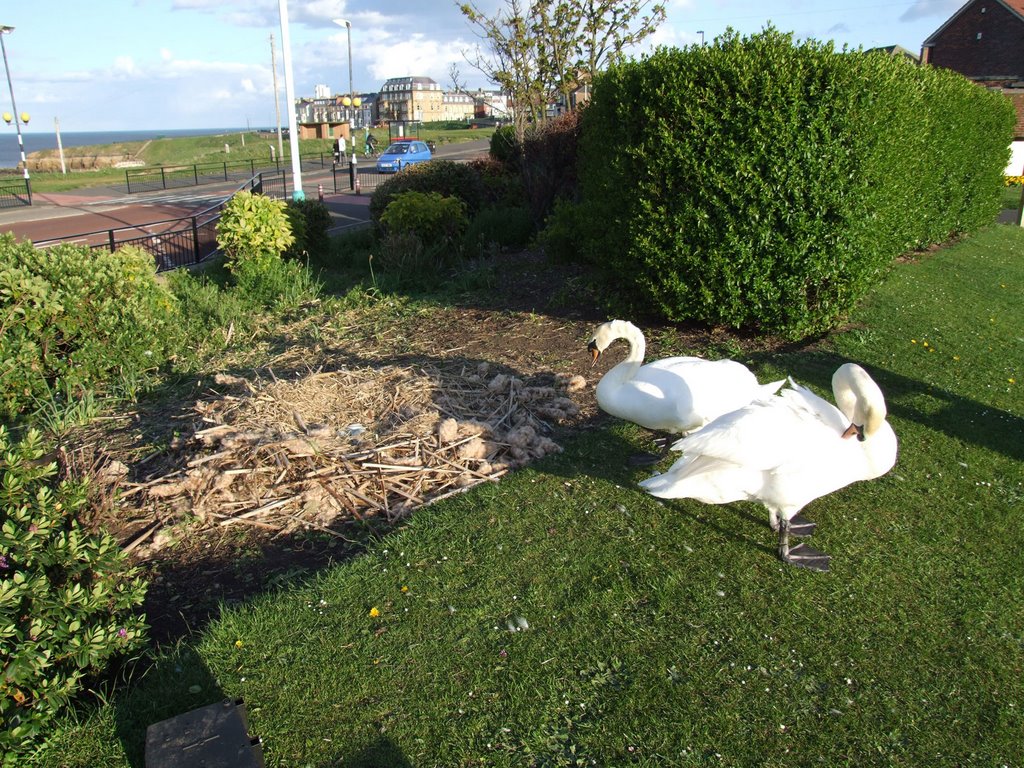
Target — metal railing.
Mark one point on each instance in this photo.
(176, 176)
(178, 242)
(15, 191)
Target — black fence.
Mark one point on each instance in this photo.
(175, 176)
(15, 192)
(177, 242)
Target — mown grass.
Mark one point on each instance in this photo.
(667, 633)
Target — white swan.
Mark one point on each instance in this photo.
(785, 451)
(676, 394)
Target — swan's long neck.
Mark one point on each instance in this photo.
(627, 369)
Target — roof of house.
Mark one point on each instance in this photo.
(1015, 7)
(897, 50)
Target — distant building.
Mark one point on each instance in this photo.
(457, 106)
(321, 92)
(896, 50)
(984, 42)
(411, 99)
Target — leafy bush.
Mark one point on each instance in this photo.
(73, 318)
(445, 177)
(275, 284)
(67, 597)
(510, 228)
(549, 162)
(432, 217)
(502, 185)
(253, 230)
(504, 148)
(309, 220)
(758, 183)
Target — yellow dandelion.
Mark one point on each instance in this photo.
(374, 613)
(925, 343)
(913, 341)
(1012, 380)
(239, 643)
(405, 588)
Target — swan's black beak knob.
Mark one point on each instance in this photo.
(594, 352)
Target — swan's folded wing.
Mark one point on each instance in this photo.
(804, 399)
(745, 436)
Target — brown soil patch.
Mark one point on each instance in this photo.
(248, 481)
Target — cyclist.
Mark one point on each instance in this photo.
(369, 145)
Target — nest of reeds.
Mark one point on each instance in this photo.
(326, 448)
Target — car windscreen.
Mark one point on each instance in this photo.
(397, 149)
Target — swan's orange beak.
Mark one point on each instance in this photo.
(852, 430)
(594, 353)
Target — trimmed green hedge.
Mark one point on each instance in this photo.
(764, 184)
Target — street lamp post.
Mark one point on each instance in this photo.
(5, 30)
(701, 33)
(289, 89)
(351, 91)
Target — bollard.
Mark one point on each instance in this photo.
(320, 192)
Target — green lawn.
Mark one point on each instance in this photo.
(668, 633)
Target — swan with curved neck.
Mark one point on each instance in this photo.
(786, 451)
(676, 394)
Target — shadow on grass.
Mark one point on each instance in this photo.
(168, 687)
(956, 416)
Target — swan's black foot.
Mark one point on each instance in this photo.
(807, 557)
(801, 526)
(645, 459)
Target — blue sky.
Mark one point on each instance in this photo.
(174, 64)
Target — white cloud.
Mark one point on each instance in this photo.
(247, 85)
(165, 54)
(124, 65)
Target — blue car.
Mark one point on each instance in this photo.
(402, 153)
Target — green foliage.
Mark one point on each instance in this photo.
(275, 284)
(510, 228)
(431, 216)
(443, 176)
(549, 163)
(73, 318)
(504, 148)
(309, 220)
(502, 184)
(67, 597)
(759, 183)
(253, 231)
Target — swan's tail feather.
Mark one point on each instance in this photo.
(767, 390)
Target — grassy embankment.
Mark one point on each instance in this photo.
(206, 149)
(668, 633)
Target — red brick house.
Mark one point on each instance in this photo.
(984, 41)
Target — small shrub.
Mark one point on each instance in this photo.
(503, 186)
(504, 148)
(431, 216)
(506, 228)
(253, 229)
(277, 283)
(445, 177)
(549, 163)
(73, 318)
(309, 220)
(67, 597)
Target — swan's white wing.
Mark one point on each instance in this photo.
(804, 399)
(762, 435)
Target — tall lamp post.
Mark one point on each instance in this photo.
(701, 33)
(351, 98)
(289, 90)
(5, 30)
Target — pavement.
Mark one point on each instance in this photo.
(86, 215)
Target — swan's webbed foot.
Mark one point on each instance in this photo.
(801, 526)
(802, 555)
(662, 441)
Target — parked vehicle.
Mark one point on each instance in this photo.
(403, 153)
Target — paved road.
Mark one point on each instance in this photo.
(72, 214)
